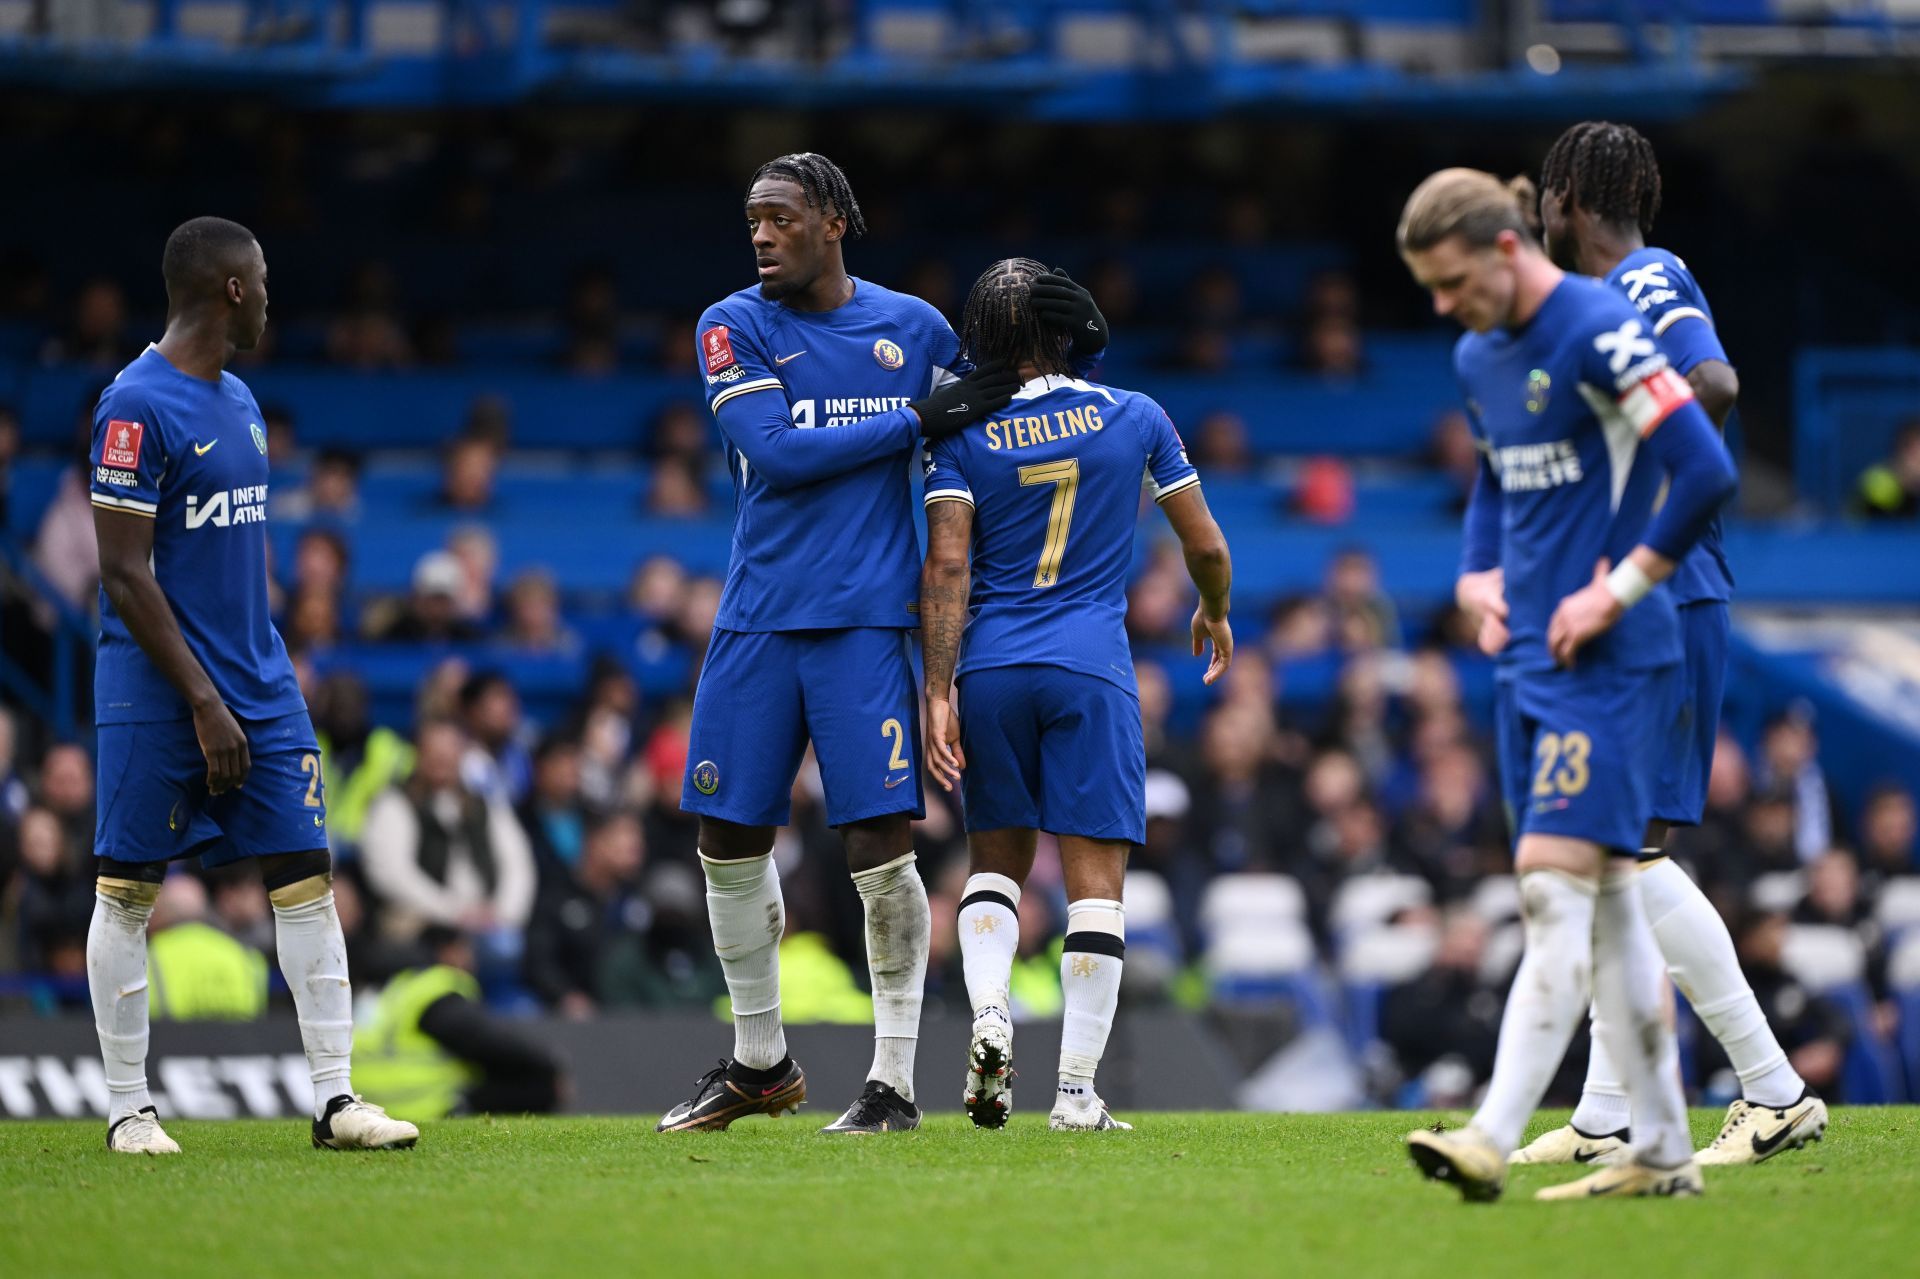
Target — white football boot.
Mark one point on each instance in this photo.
(1632, 1180)
(352, 1124)
(141, 1134)
(1464, 1158)
(989, 1095)
(1754, 1134)
(1569, 1145)
(1085, 1113)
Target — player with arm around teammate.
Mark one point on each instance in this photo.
(1580, 420)
(205, 746)
(1030, 520)
(1600, 193)
(822, 386)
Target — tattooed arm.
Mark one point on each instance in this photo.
(944, 582)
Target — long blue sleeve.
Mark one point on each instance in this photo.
(1700, 478)
(1480, 544)
(760, 426)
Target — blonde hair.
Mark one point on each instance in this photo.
(1468, 203)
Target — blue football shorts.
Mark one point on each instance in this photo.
(1052, 749)
(764, 694)
(153, 803)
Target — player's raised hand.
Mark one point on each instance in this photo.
(1065, 305)
(957, 405)
(225, 746)
(944, 756)
(1216, 629)
(1584, 614)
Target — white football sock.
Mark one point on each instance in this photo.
(1627, 976)
(1549, 991)
(1603, 1108)
(117, 981)
(1090, 984)
(313, 959)
(748, 917)
(1699, 953)
(989, 939)
(899, 927)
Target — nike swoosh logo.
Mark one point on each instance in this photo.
(200, 450)
(1092, 327)
(960, 409)
(891, 783)
(1585, 1156)
(1771, 1144)
(785, 359)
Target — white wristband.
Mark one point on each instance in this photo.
(1628, 583)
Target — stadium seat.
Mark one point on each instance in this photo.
(1823, 957)
(1497, 899)
(1263, 966)
(1899, 909)
(1371, 962)
(1253, 900)
(1777, 891)
(1372, 900)
(1153, 938)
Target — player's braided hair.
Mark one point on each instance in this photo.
(1000, 323)
(821, 182)
(1607, 169)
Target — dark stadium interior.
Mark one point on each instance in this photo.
(497, 497)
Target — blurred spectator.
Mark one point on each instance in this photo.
(64, 548)
(96, 333)
(677, 491)
(477, 552)
(14, 796)
(489, 419)
(1115, 289)
(1813, 1031)
(1323, 493)
(312, 621)
(431, 613)
(1834, 899)
(1450, 1010)
(1245, 813)
(1301, 626)
(66, 791)
(332, 491)
(431, 1049)
(1221, 447)
(320, 562)
(1213, 299)
(367, 333)
(554, 815)
(1201, 350)
(239, 905)
(467, 473)
(584, 938)
(360, 760)
(1453, 832)
(496, 764)
(676, 352)
(435, 852)
(592, 319)
(1790, 764)
(679, 430)
(196, 971)
(9, 449)
(1332, 348)
(56, 897)
(283, 443)
(1890, 490)
(1363, 614)
(1453, 452)
(1887, 832)
(658, 590)
(534, 623)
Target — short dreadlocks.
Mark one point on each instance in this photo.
(1607, 169)
(1000, 324)
(821, 182)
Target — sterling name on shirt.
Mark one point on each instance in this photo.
(1025, 432)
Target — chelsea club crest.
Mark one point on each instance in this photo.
(259, 438)
(888, 354)
(1538, 384)
(706, 777)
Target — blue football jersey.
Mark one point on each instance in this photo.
(1560, 405)
(1670, 299)
(191, 456)
(1055, 483)
(843, 551)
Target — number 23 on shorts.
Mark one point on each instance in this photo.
(1564, 767)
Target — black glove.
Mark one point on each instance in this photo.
(1063, 305)
(988, 389)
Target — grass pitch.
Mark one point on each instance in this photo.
(1182, 1195)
